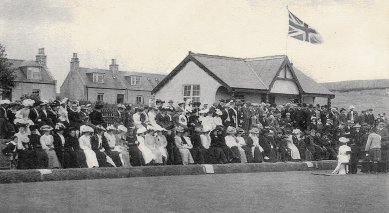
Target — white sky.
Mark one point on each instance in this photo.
(154, 36)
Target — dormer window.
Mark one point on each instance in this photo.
(98, 78)
(34, 73)
(135, 80)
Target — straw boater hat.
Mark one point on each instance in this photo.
(357, 126)
(180, 129)
(351, 107)
(254, 131)
(64, 101)
(3, 102)
(28, 102)
(343, 140)
(101, 128)
(59, 127)
(141, 130)
(46, 128)
(121, 106)
(85, 128)
(111, 128)
(43, 103)
(240, 130)
(231, 130)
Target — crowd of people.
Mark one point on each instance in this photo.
(65, 134)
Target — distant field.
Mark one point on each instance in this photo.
(376, 99)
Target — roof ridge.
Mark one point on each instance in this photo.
(108, 70)
(265, 58)
(215, 56)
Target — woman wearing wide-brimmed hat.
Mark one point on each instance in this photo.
(161, 143)
(86, 146)
(151, 143)
(64, 151)
(294, 151)
(183, 144)
(110, 145)
(47, 141)
(253, 142)
(233, 144)
(147, 154)
(97, 141)
(343, 157)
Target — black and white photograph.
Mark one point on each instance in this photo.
(194, 106)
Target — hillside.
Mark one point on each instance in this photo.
(357, 85)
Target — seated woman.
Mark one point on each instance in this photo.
(41, 156)
(294, 151)
(97, 147)
(47, 141)
(343, 157)
(110, 146)
(85, 145)
(198, 151)
(183, 143)
(233, 144)
(66, 155)
(136, 158)
(245, 151)
(10, 151)
(26, 155)
(150, 142)
(253, 142)
(122, 145)
(161, 143)
(216, 149)
(147, 155)
(72, 141)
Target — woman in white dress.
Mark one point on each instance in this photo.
(85, 145)
(46, 141)
(21, 116)
(122, 145)
(110, 146)
(161, 143)
(233, 143)
(343, 157)
(183, 144)
(294, 152)
(147, 155)
(151, 143)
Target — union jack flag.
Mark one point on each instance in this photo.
(301, 31)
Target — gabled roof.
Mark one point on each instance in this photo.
(121, 81)
(246, 73)
(17, 65)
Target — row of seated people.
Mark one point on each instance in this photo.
(96, 146)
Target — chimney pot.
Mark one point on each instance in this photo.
(41, 51)
(74, 62)
(41, 58)
(74, 55)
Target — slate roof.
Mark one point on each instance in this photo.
(121, 81)
(247, 73)
(17, 65)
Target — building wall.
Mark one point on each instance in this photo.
(110, 95)
(132, 94)
(308, 100)
(285, 87)
(73, 88)
(46, 91)
(190, 74)
(253, 97)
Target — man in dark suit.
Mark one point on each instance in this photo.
(96, 117)
(35, 113)
(352, 115)
(74, 116)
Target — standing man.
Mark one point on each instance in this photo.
(373, 147)
(352, 115)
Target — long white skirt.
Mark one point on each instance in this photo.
(295, 154)
(147, 154)
(243, 158)
(186, 156)
(91, 159)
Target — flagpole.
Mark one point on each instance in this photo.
(287, 34)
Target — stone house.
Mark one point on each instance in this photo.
(108, 85)
(32, 77)
(209, 78)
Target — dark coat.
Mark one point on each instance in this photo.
(96, 118)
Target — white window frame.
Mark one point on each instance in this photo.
(141, 99)
(194, 97)
(98, 78)
(102, 97)
(34, 73)
(134, 80)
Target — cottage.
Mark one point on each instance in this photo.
(32, 77)
(209, 78)
(108, 85)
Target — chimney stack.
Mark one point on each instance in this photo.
(41, 58)
(74, 63)
(114, 67)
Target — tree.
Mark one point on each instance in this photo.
(7, 75)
